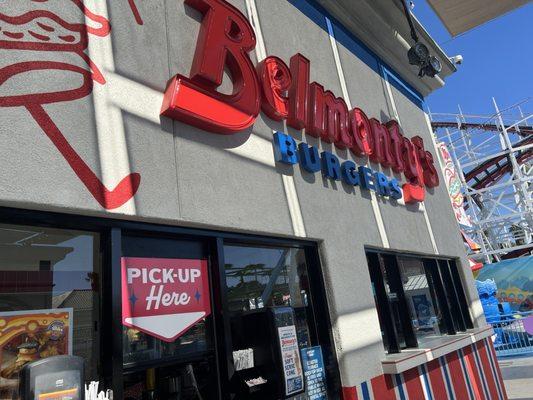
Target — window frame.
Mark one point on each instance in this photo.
(320, 332)
(111, 233)
(448, 286)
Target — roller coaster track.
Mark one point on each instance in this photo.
(522, 130)
(493, 159)
(491, 171)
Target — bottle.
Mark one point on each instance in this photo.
(150, 392)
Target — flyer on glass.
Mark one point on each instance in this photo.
(315, 373)
(290, 358)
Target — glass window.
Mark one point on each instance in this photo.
(421, 298)
(257, 277)
(184, 368)
(416, 298)
(455, 295)
(381, 288)
(49, 291)
(263, 283)
(140, 347)
(188, 381)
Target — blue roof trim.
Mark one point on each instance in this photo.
(319, 15)
(314, 11)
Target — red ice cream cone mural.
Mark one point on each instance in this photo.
(47, 40)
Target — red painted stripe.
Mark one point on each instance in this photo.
(456, 373)
(411, 378)
(473, 373)
(495, 360)
(438, 386)
(135, 12)
(383, 387)
(109, 199)
(349, 393)
(487, 370)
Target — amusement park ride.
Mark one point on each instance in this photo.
(488, 167)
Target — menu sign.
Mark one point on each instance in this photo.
(164, 297)
(290, 358)
(315, 375)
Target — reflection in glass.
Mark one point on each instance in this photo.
(45, 269)
(139, 346)
(258, 278)
(261, 277)
(189, 381)
(421, 297)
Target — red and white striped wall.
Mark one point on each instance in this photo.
(471, 373)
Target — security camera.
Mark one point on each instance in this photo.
(457, 60)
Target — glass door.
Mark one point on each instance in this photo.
(167, 331)
(274, 340)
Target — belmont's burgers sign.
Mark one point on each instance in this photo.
(164, 297)
(285, 93)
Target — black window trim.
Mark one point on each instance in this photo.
(445, 275)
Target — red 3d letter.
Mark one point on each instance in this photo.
(413, 170)
(225, 39)
(382, 149)
(431, 177)
(396, 141)
(328, 117)
(275, 80)
(361, 133)
(413, 190)
(300, 70)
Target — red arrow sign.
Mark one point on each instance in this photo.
(164, 297)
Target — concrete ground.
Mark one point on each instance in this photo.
(518, 376)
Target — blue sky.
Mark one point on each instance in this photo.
(498, 62)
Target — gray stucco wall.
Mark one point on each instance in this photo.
(231, 182)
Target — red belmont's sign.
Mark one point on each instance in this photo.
(283, 92)
(164, 297)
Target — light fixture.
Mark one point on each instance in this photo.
(418, 54)
(428, 65)
(433, 67)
